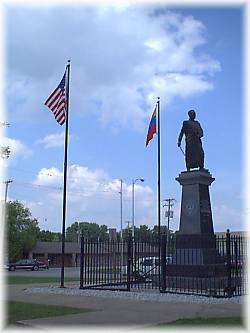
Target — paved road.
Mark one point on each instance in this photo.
(118, 312)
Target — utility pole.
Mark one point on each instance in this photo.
(7, 182)
(4, 211)
(128, 225)
(169, 204)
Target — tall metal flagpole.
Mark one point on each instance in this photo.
(159, 186)
(159, 170)
(65, 175)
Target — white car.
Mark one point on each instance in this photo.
(146, 266)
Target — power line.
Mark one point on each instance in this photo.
(102, 184)
(59, 189)
(88, 192)
(52, 175)
(37, 185)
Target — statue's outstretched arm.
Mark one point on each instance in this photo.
(180, 136)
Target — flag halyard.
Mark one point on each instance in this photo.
(57, 102)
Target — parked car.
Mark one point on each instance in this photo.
(146, 267)
(150, 265)
(4, 266)
(32, 264)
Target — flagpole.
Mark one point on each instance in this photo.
(65, 176)
(159, 185)
(159, 170)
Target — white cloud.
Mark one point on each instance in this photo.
(225, 215)
(93, 195)
(88, 183)
(179, 84)
(121, 56)
(49, 176)
(17, 148)
(155, 44)
(53, 140)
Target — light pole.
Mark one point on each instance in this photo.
(120, 192)
(133, 204)
(5, 211)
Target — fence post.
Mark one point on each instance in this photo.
(228, 252)
(236, 257)
(163, 264)
(81, 261)
(129, 260)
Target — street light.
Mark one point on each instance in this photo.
(133, 204)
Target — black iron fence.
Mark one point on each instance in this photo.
(202, 265)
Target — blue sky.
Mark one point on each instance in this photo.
(123, 57)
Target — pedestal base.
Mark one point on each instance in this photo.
(218, 286)
(195, 248)
(197, 271)
(196, 213)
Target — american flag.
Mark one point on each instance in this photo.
(56, 102)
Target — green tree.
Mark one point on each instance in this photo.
(72, 232)
(103, 232)
(22, 229)
(49, 236)
(90, 231)
(143, 233)
(155, 231)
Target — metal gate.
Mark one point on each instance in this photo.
(118, 265)
(216, 270)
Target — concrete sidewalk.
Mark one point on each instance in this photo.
(118, 312)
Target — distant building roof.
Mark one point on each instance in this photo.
(56, 247)
(74, 247)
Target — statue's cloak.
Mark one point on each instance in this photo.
(194, 153)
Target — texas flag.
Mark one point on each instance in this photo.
(152, 127)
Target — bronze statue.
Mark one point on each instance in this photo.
(194, 154)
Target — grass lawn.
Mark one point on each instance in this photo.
(213, 321)
(21, 311)
(36, 279)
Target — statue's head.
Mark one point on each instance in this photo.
(191, 114)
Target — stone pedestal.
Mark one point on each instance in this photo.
(195, 239)
(195, 254)
(196, 213)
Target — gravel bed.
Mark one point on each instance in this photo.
(142, 295)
